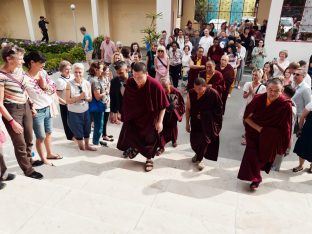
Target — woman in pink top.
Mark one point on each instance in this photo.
(161, 63)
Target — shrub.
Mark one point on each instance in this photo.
(96, 46)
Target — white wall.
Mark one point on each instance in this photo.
(164, 6)
(296, 50)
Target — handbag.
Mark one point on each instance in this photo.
(96, 106)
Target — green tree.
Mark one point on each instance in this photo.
(201, 11)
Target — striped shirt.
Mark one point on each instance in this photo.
(14, 90)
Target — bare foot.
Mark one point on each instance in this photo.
(91, 148)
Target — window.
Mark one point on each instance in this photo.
(295, 21)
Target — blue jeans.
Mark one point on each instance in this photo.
(42, 123)
(98, 119)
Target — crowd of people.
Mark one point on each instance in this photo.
(148, 98)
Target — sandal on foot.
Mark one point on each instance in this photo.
(54, 157)
(107, 139)
(297, 169)
(149, 165)
(194, 159)
(37, 163)
(310, 170)
(133, 153)
(254, 185)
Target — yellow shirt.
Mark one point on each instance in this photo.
(198, 63)
(268, 102)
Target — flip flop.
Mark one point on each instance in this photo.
(297, 169)
(110, 136)
(57, 157)
(108, 139)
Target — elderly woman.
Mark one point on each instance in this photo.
(78, 96)
(40, 90)
(280, 64)
(15, 108)
(61, 83)
(250, 90)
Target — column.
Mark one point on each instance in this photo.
(106, 17)
(94, 10)
(165, 23)
(28, 13)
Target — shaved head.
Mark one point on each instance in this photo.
(224, 60)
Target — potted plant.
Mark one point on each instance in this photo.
(150, 31)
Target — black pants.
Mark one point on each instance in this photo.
(175, 73)
(45, 36)
(106, 115)
(64, 113)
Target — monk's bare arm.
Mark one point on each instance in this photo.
(252, 124)
(187, 113)
(161, 115)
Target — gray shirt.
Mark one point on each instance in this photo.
(302, 97)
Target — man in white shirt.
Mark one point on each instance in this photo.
(241, 51)
(304, 66)
(206, 41)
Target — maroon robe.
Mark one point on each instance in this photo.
(215, 53)
(140, 112)
(228, 76)
(193, 73)
(261, 148)
(216, 81)
(172, 116)
(206, 123)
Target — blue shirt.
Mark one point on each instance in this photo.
(86, 38)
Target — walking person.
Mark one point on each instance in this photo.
(15, 108)
(87, 44)
(61, 83)
(43, 27)
(175, 58)
(161, 64)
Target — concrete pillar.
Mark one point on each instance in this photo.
(107, 31)
(94, 10)
(165, 23)
(29, 16)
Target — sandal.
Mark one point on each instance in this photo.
(297, 169)
(194, 159)
(149, 165)
(37, 163)
(254, 185)
(110, 136)
(107, 138)
(310, 170)
(160, 151)
(133, 153)
(56, 157)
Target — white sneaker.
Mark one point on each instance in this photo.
(201, 165)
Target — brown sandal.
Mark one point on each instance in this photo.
(297, 169)
(310, 170)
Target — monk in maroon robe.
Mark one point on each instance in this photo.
(199, 62)
(268, 121)
(228, 75)
(143, 110)
(204, 121)
(173, 114)
(215, 52)
(214, 78)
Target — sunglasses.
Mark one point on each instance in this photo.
(160, 51)
(297, 74)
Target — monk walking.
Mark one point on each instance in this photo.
(143, 110)
(268, 121)
(228, 75)
(197, 65)
(204, 121)
(173, 114)
(214, 78)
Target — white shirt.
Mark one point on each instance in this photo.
(82, 105)
(302, 97)
(190, 45)
(38, 97)
(61, 84)
(206, 42)
(307, 80)
(258, 90)
(242, 52)
(180, 41)
(309, 106)
(277, 71)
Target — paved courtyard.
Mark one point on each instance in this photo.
(100, 192)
